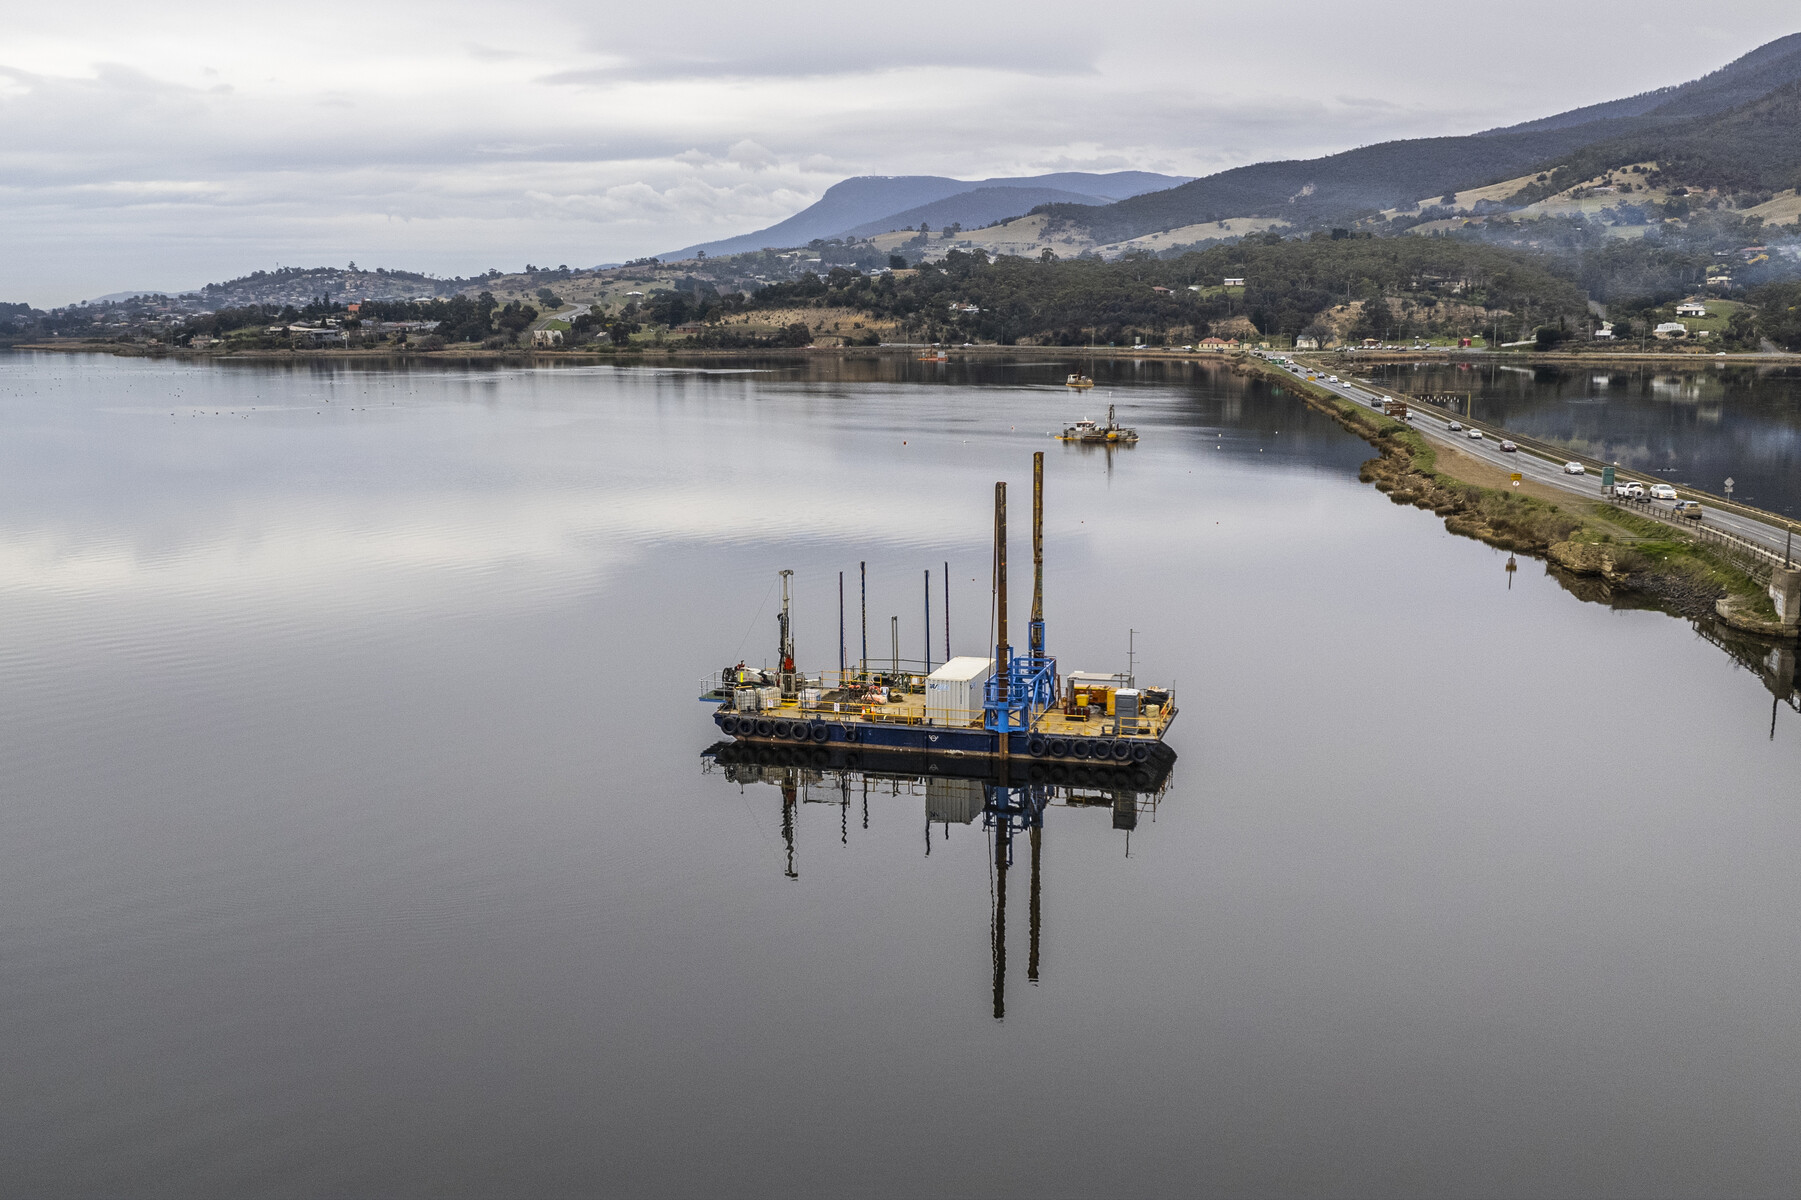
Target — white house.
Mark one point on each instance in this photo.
(1234, 281)
(1306, 342)
(1605, 333)
(547, 337)
(1670, 330)
(1691, 308)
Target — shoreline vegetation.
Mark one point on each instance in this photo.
(1597, 551)
(1691, 357)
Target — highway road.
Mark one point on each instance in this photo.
(1540, 468)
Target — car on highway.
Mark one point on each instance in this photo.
(1508, 447)
(1455, 427)
(1331, 379)
(1662, 491)
(1475, 435)
(1574, 468)
(1628, 490)
(1688, 509)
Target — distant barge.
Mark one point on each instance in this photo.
(1009, 708)
(1088, 430)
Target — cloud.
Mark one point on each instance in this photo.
(453, 135)
(751, 156)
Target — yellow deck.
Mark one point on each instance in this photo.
(911, 710)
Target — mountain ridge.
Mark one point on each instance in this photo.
(865, 201)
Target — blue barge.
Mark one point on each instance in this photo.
(1006, 709)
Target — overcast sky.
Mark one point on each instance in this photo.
(144, 146)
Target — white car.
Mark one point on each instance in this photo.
(1628, 490)
(1574, 468)
(1662, 491)
(1475, 435)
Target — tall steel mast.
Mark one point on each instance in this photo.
(1035, 631)
(785, 627)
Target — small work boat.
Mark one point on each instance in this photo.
(1078, 380)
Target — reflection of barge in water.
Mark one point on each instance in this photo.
(955, 793)
(1008, 708)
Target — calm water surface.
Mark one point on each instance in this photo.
(1697, 426)
(357, 839)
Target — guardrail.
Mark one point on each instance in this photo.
(1563, 454)
(1767, 559)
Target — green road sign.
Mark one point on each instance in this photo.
(1606, 477)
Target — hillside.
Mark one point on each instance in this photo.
(301, 285)
(878, 203)
(1677, 121)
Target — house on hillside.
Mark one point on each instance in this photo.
(547, 337)
(1234, 281)
(1691, 308)
(1605, 333)
(1670, 331)
(310, 335)
(1160, 288)
(1218, 345)
(1306, 341)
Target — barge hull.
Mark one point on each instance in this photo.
(944, 741)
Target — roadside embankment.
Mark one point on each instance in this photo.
(1577, 536)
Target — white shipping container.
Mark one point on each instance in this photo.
(954, 691)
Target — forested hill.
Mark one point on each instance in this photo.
(1747, 95)
(1754, 146)
(1439, 285)
(1745, 79)
(1318, 191)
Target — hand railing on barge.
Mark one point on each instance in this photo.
(1030, 685)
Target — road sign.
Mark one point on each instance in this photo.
(1728, 487)
(1606, 478)
(1516, 478)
